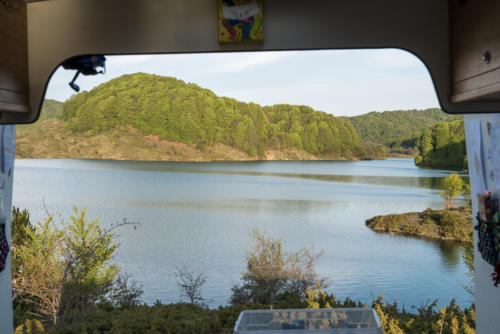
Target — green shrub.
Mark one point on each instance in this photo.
(449, 218)
(188, 318)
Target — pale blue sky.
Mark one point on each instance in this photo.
(343, 83)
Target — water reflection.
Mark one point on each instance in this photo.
(400, 181)
(450, 251)
(391, 172)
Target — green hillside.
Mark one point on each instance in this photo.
(163, 118)
(443, 145)
(51, 109)
(177, 111)
(398, 130)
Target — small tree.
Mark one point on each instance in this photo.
(452, 186)
(20, 226)
(65, 266)
(190, 283)
(89, 272)
(271, 271)
(40, 281)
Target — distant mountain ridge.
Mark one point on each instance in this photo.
(399, 130)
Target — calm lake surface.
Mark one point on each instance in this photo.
(200, 215)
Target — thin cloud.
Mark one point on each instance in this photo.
(242, 62)
(343, 82)
(344, 98)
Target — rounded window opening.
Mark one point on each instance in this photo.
(336, 159)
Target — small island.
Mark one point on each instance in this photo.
(448, 224)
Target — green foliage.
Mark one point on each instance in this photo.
(158, 318)
(30, 326)
(453, 224)
(452, 186)
(89, 269)
(65, 266)
(451, 319)
(124, 292)
(398, 130)
(20, 223)
(468, 258)
(387, 222)
(189, 318)
(316, 298)
(271, 272)
(20, 226)
(50, 109)
(177, 111)
(39, 282)
(443, 145)
(52, 245)
(449, 219)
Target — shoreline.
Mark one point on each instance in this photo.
(202, 160)
(418, 236)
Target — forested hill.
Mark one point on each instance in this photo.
(400, 129)
(51, 109)
(171, 110)
(443, 145)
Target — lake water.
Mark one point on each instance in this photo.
(200, 215)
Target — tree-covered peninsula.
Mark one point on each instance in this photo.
(398, 130)
(169, 111)
(452, 224)
(443, 146)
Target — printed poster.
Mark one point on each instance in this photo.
(240, 21)
(474, 149)
(495, 148)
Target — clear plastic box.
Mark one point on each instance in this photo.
(338, 320)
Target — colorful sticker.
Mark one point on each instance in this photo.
(240, 21)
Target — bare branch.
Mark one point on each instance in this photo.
(190, 283)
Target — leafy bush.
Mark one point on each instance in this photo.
(272, 272)
(189, 318)
(66, 266)
(387, 222)
(453, 224)
(449, 219)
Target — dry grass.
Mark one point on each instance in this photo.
(50, 139)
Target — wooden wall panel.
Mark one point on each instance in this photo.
(13, 57)
(475, 36)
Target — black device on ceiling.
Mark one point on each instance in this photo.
(86, 65)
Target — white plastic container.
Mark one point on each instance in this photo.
(332, 321)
